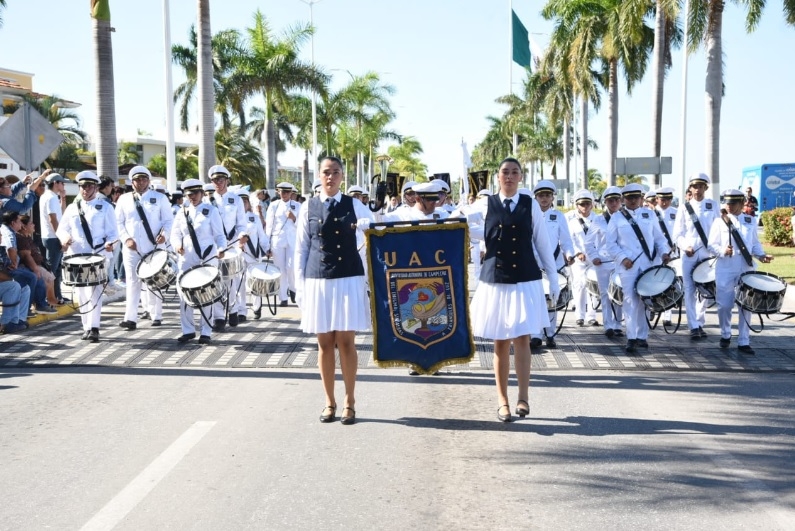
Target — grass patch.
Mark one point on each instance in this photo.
(783, 264)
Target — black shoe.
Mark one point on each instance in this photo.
(127, 325)
(724, 343)
(291, 293)
(204, 340)
(695, 335)
(414, 372)
(610, 333)
(257, 314)
(667, 323)
(85, 335)
(241, 318)
(506, 417)
(535, 342)
(580, 322)
(145, 315)
(593, 322)
(283, 304)
(618, 332)
(551, 343)
(632, 346)
(93, 335)
(184, 338)
(327, 415)
(219, 325)
(701, 332)
(746, 349)
(522, 408)
(233, 320)
(643, 343)
(157, 322)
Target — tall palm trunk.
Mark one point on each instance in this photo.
(612, 117)
(271, 164)
(658, 81)
(584, 139)
(205, 91)
(107, 148)
(567, 149)
(714, 94)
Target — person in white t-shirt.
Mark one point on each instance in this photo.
(51, 205)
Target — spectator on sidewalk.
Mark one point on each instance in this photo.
(31, 258)
(51, 206)
(15, 198)
(14, 298)
(11, 225)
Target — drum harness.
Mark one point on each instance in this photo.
(202, 256)
(152, 238)
(90, 239)
(257, 253)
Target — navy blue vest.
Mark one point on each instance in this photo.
(509, 243)
(332, 240)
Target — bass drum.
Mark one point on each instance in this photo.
(262, 279)
(659, 288)
(615, 290)
(760, 292)
(565, 292)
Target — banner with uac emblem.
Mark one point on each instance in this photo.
(419, 295)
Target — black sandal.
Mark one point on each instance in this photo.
(330, 417)
(522, 411)
(348, 419)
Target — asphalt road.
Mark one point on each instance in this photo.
(133, 448)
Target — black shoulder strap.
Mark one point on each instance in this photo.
(254, 252)
(606, 215)
(583, 225)
(142, 215)
(664, 228)
(639, 234)
(696, 223)
(86, 228)
(194, 238)
(223, 226)
(739, 241)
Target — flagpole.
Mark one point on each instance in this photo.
(171, 151)
(683, 125)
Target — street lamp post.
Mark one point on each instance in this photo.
(311, 3)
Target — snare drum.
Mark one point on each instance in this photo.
(262, 279)
(232, 263)
(202, 286)
(565, 292)
(592, 283)
(615, 290)
(81, 270)
(157, 269)
(659, 288)
(760, 292)
(704, 278)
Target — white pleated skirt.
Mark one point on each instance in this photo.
(507, 311)
(335, 304)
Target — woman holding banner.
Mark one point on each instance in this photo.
(509, 304)
(330, 284)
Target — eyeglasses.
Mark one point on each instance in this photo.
(85, 186)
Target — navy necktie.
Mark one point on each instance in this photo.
(507, 203)
(331, 203)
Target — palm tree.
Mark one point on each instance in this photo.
(240, 157)
(332, 109)
(107, 155)
(495, 146)
(405, 158)
(706, 24)
(204, 84)
(2, 7)
(271, 67)
(53, 110)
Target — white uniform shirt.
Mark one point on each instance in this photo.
(256, 238)
(577, 232)
(232, 212)
(49, 203)
(720, 238)
(595, 241)
(685, 234)
(414, 214)
(207, 225)
(622, 242)
(157, 210)
(280, 229)
(559, 235)
(101, 222)
(669, 217)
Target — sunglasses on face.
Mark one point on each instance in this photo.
(86, 186)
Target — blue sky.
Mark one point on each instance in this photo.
(447, 59)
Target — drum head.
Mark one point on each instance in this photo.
(763, 282)
(198, 277)
(152, 263)
(704, 272)
(262, 271)
(84, 259)
(655, 281)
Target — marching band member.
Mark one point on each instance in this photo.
(691, 229)
(603, 262)
(559, 237)
(176, 201)
(331, 293)
(666, 215)
(280, 231)
(143, 219)
(733, 239)
(253, 249)
(88, 226)
(407, 194)
(426, 197)
(635, 242)
(650, 200)
(233, 224)
(579, 225)
(509, 303)
(197, 236)
(479, 204)
(443, 195)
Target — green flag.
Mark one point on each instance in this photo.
(521, 42)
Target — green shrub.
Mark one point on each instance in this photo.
(778, 226)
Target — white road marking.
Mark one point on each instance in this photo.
(135, 491)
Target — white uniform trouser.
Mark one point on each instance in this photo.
(134, 287)
(612, 314)
(236, 290)
(634, 309)
(474, 255)
(88, 298)
(283, 259)
(186, 313)
(695, 306)
(725, 281)
(241, 306)
(585, 310)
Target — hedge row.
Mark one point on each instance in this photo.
(778, 226)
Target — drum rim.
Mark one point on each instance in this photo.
(78, 255)
(765, 274)
(652, 268)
